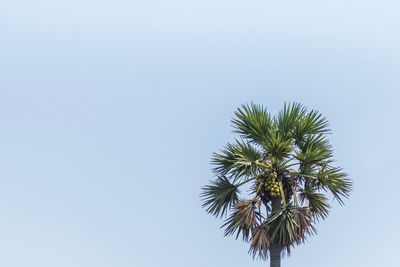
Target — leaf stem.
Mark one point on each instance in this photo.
(282, 193)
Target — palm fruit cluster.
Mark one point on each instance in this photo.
(270, 184)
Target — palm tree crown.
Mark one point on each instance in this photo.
(285, 169)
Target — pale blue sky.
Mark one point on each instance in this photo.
(110, 111)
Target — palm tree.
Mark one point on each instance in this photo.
(285, 164)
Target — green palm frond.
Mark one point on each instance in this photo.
(317, 202)
(288, 118)
(253, 123)
(336, 181)
(312, 123)
(239, 159)
(278, 147)
(314, 141)
(219, 196)
(290, 226)
(243, 219)
(260, 242)
(314, 150)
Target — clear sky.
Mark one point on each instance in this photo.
(110, 111)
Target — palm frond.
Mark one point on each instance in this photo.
(314, 150)
(311, 123)
(336, 181)
(237, 160)
(260, 242)
(252, 122)
(290, 226)
(243, 219)
(277, 146)
(317, 202)
(219, 196)
(288, 118)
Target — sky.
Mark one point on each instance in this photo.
(111, 110)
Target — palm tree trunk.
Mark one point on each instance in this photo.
(275, 250)
(275, 253)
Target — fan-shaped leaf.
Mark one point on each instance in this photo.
(317, 202)
(219, 196)
(237, 160)
(253, 123)
(260, 242)
(243, 219)
(290, 226)
(336, 181)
